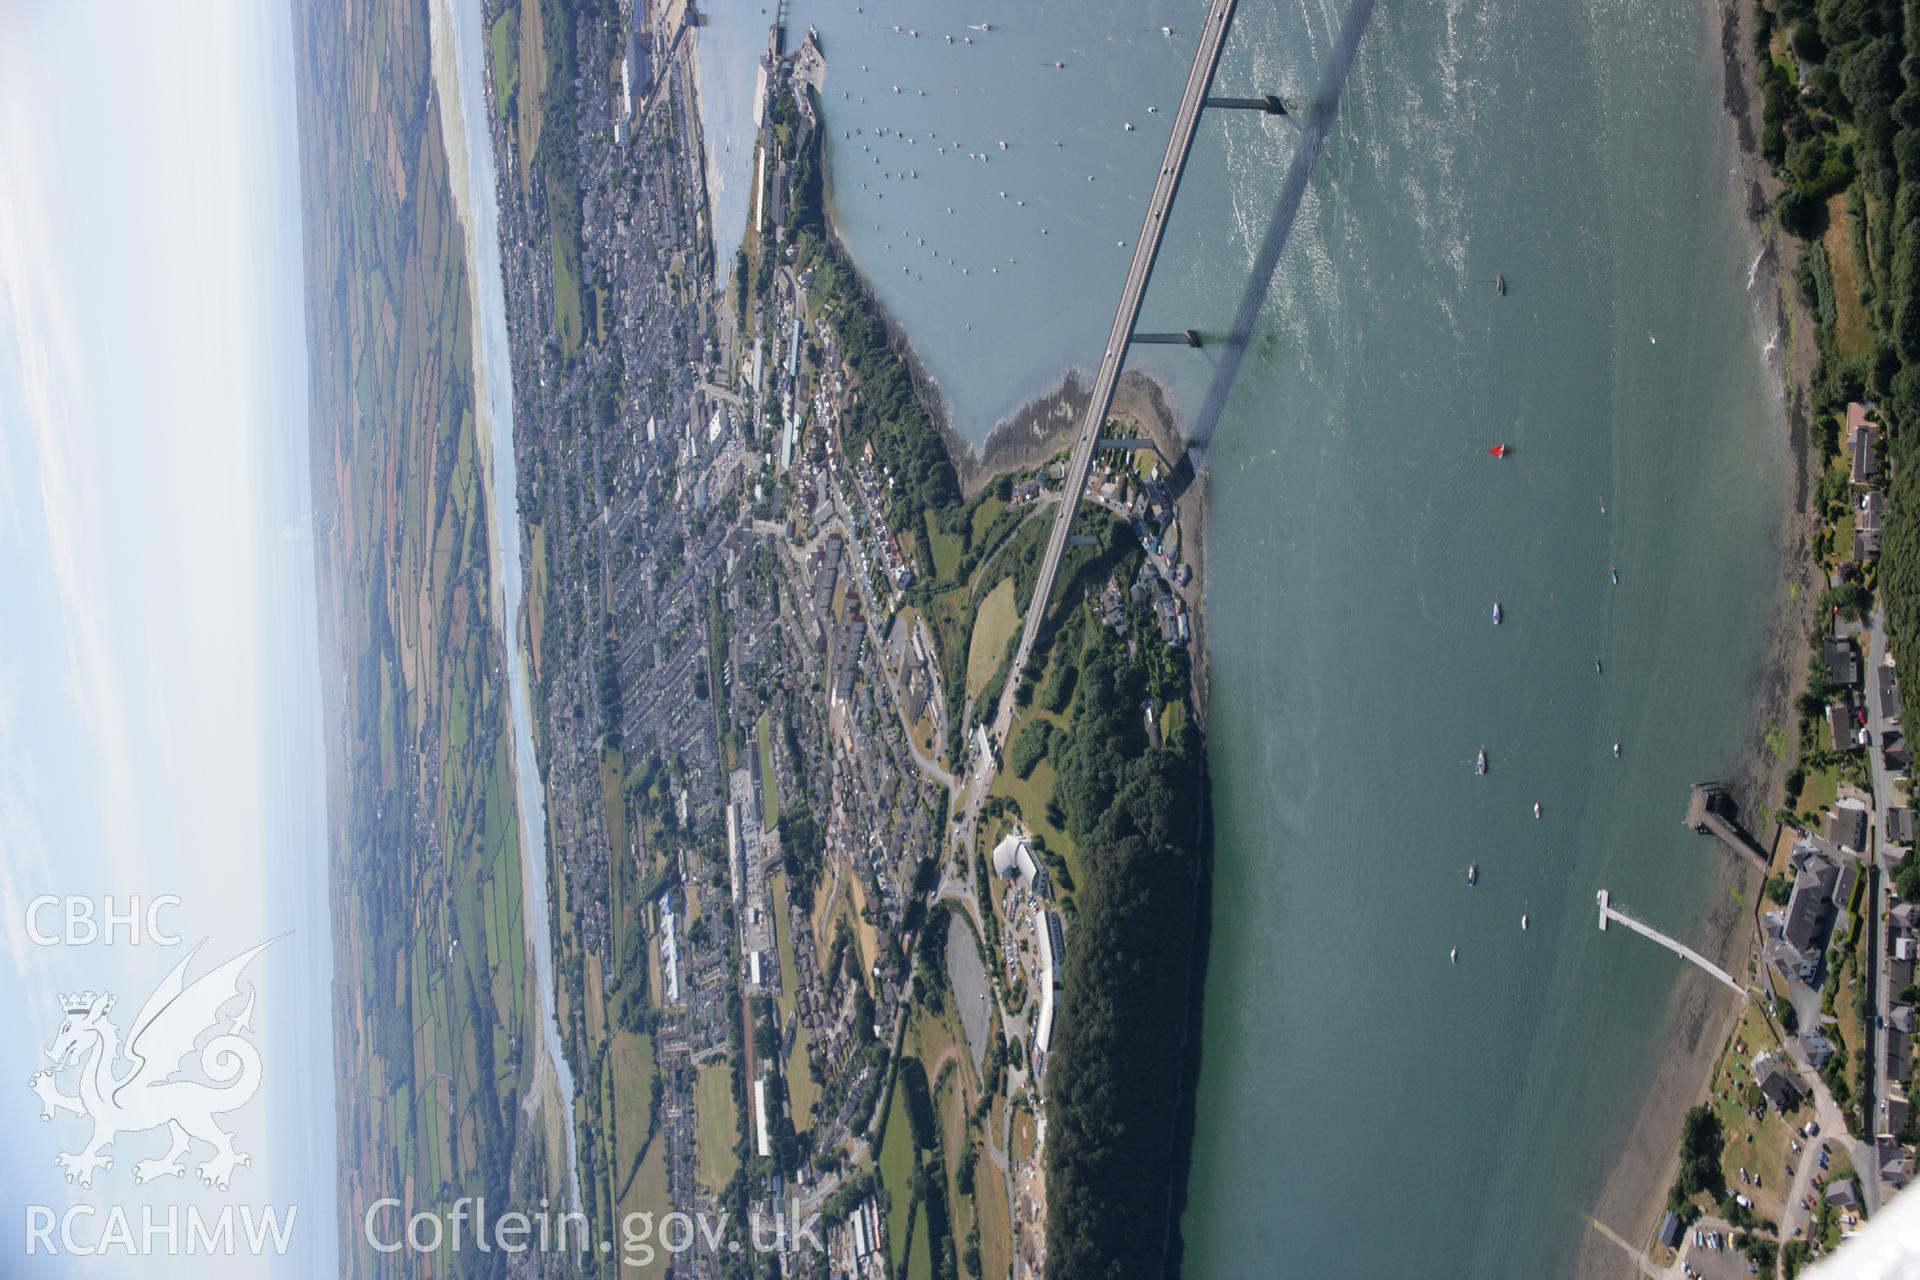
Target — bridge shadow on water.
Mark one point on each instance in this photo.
(1313, 131)
(1313, 126)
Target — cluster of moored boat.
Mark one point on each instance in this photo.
(982, 155)
(1472, 869)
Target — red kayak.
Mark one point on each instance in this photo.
(1498, 451)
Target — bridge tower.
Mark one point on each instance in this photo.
(1267, 104)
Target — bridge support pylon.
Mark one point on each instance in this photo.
(1266, 104)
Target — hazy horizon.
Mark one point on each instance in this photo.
(159, 685)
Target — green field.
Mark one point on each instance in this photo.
(631, 1063)
(648, 1194)
(503, 47)
(566, 293)
(1852, 333)
(944, 547)
(802, 1092)
(716, 1127)
(993, 627)
(920, 1258)
(896, 1173)
(984, 515)
(783, 943)
(769, 785)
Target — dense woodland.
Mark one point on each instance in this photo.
(1117, 1072)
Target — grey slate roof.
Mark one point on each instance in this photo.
(1843, 663)
(1811, 906)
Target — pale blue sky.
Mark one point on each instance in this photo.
(159, 700)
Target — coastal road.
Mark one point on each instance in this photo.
(1206, 59)
(1881, 727)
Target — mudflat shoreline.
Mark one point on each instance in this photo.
(1701, 1014)
(1044, 427)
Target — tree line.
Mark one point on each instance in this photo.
(1116, 1075)
(1842, 113)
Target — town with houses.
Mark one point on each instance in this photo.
(808, 927)
(1817, 1076)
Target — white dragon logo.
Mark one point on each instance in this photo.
(153, 1090)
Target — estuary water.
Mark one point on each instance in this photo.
(1004, 263)
(728, 46)
(1367, 1108)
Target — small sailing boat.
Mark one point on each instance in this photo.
(1523, 922)
(1480, 761)
(1616, 751)
(1496, 613)
(1499, 284)
(1473, 874)
(1453, 955)
(1500, 450)
(1536, 810)
(1614, 574)
(1596, 664)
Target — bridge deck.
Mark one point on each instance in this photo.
(1206, 59)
